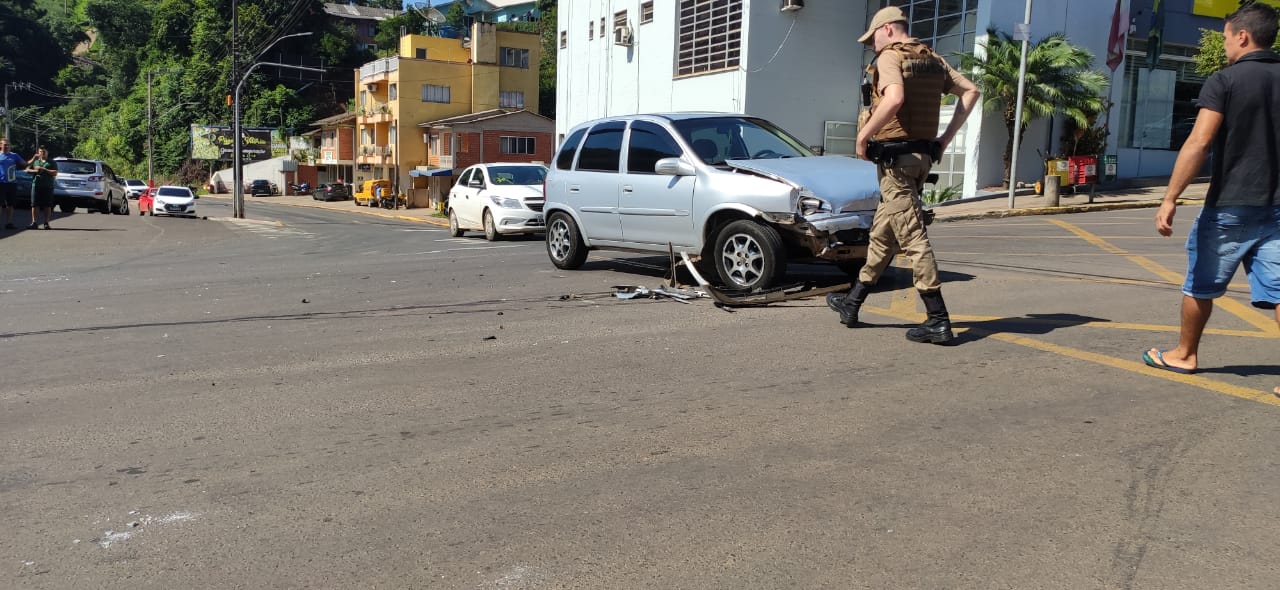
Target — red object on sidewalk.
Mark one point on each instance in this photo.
(1083, 169)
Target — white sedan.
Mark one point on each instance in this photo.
(173, 200)
(498, 199)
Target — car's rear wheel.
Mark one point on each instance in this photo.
(490, 229)
(106, 207)
(124, 207)
(749, 255)
(454, 230)
(564, 242)
(67, 208)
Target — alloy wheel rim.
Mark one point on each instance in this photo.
(559, 240)
(743, 258)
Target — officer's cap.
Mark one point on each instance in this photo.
(888, 14)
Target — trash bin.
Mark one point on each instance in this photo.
(1109, 167)
(1083, 169)
(1057, 167)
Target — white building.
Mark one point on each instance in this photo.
(800, 65)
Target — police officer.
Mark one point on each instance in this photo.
(900, 132)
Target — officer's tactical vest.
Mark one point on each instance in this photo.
(924, 75)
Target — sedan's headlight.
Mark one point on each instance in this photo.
(505, 202)
(810, 204)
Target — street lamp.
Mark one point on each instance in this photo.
(1025, 33)
(237, 192)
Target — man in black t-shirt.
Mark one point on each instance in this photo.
(1239, 119)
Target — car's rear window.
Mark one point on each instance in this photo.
(76, 167)
(564, 161)
(166, 191)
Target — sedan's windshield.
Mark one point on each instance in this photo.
(716, 139)
(517, 174)
(167, 191)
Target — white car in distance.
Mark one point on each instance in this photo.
(174, 200)
(498, 199)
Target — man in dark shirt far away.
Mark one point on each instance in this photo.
(1240, 223)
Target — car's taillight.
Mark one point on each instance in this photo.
(96, 178)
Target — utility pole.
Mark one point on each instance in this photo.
(1017, 113)
(237, 201)
(150, 151)
(237, 191)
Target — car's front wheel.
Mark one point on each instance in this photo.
(564, 242)
(454, 230)
(67, 208)
(749, 255)
(490, 228)
(852, 266)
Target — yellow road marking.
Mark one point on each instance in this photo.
(1231, 306)
(1265, 397)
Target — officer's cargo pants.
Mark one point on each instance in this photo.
(899, 224)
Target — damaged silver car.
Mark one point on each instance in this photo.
(736, 190)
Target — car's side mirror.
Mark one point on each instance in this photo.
(476, 184)
(674, 167)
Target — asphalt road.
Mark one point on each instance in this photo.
(339, 400)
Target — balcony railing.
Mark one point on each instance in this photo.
(379, 67)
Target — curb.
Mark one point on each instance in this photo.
(360, 210)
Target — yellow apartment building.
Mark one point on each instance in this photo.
(435, 78)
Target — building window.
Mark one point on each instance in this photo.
(514, 57)
(511, 99)
(420, 53)
(373, 29)
(564, 39)
(391, 92)
(591, 32)
(391, 136)
(432, 93)
(709, 37)
(515, 145)
(602, 27)
(646, 12)
(620, 19)
(364, 98)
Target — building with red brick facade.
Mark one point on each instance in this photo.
(497, 135)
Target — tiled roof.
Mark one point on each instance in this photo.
(361, 12)
(476, 117)
(334, 120)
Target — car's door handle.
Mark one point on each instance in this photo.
(573, 188)
(626, 188)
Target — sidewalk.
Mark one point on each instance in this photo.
(983, 207)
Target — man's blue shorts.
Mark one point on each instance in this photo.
(1224, 238)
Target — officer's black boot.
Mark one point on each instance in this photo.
(937, 327)
(847, 305)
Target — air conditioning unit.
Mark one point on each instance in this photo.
(792, 5)
(623, 36)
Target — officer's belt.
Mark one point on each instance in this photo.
(885, 152)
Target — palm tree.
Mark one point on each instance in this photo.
(1058, 81)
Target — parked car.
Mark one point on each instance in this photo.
(368, 193)
(261, 187)
(331, 191)
(736, 190)
(90, 184)
(22, 182)
(498, 199)
(133, 187)
(173, 200)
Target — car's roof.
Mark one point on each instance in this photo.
(174, 186)
(673, 116)
(530, 164)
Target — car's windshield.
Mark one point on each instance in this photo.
(76, 167)
(169, 191)
(133, 182)
(716, 139)
(260, 183)
(517, 174)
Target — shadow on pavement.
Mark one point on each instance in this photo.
(1030, 325)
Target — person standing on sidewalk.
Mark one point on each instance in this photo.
(10, 163)
(906, 84)
(42, 172)
(1240, 222)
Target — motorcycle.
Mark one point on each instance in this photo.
(390, 201)
(300, 189)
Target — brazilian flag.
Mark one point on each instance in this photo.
(1155, 37)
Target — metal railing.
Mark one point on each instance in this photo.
(379, 67)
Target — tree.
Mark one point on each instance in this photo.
(547, 69)
(1211, 55)
(1058, 81)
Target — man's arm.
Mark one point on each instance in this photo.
(1190, 159)
(968, 93)
(891, 100)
